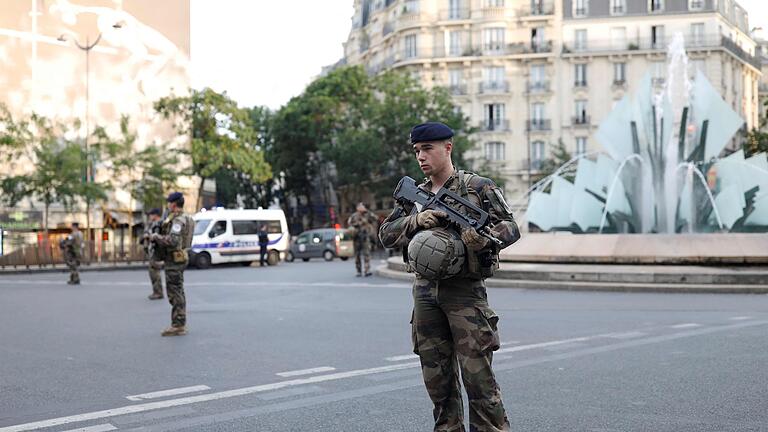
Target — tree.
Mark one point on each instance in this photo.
(755, 141)
(558, 158)
(221, 134)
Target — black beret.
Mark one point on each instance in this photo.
(430, 131)
(175, 196)
(155, 211)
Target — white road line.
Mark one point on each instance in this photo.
(542, 344)
(625, 335)
(98, 428)
(151, 406)
(740, 318)
(306, 371)
(401, 357)
(686, 325)
(169, 392)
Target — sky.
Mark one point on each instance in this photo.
(263, 52)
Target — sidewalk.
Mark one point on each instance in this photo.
(61, 268)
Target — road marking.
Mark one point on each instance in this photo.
(98, 428)
(169, 392)
(542, 344)
(740, 318)
(402, 357)
(212, 283)
(306, 371)
(625, 335)
(150, 406)
(686, 325)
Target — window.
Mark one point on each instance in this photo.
(317, 238)
(655, 6)
(200, 225)
(657, 36)
(619, 38)
(697, 65)
(538, 43)
(618, 7)
(580, 8)
(454, 43)
(494, 116)
(245, 227)
(494, 76)
(697, 34)
(580, 111)
(494, 151)
(410, 46)
(493, 39)
(455, 77)
(411, 6)
(303, 239)
(219, 228)
(580, 75)
(580, 39)
(658, 72)
(493, 3)
(537, 154)
(537, 121)
(454, 9)
(581, 146)
(619, 73)
(537, 81)
(695, 5)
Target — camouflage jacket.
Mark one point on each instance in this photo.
(175, 235)
(363, 223)
(400, 226)
(73, 244)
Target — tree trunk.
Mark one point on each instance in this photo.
(200, 194)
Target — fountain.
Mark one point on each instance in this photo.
(638, 185)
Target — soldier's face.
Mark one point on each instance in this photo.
(434, 156)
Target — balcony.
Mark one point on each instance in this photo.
(411, 18)
(454, 14)
(580, 121)
(494, 125)
(493, 11)
(538, 125)
(457, 89)
(534, 165)
(500, 48)
(538, 86)
(537, 9)
(493, 87)
(580, 84)
(540, 46)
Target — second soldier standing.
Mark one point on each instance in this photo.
(175, 238)
(153, 254)
(363, 224)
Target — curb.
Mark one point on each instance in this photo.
(383, 271)
(82, 269)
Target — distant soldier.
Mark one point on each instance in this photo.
(72, 248)
(153, 253)
(174, 240)
(263, 244)
(363, 224)
(453, 327)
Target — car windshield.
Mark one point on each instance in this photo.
(201, 225)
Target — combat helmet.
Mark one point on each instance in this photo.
(437, 253)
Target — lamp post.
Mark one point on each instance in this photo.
(87, 47)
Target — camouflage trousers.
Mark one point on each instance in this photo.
(74, 265)
(454, 333)
(155, 267)
(363, 256)
(174, 286)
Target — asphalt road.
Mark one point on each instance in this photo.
(310, 347)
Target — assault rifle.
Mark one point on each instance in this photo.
(476, 218)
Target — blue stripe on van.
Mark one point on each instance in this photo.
(232, 244)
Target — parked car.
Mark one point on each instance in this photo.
(326, 243)
(226, 236)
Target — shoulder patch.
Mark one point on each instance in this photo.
(176, 228)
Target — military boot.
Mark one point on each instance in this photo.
(155, 296)
(174, 331)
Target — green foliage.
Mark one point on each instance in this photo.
(558, 158)
(222, 136)
(356, 127)
(755, 141)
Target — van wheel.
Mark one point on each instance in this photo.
(343, 258)
(328, 255)
(203, 260)
(289, 257)
(273, 257)
(305, 259)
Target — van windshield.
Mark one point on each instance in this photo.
(201, 225)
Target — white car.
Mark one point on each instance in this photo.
(226, 236)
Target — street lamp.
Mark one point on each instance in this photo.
(87, 47)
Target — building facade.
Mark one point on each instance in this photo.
(533, 73)
(140, 52)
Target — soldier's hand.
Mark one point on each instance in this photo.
(430, 218)
(154, 236)
(473, 240)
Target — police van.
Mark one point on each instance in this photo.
(226, 236)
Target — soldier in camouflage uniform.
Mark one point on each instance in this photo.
(363, 224)
(174, 240)
(454, 330)
(153, 254)
(72, 247)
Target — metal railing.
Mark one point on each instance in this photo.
(538, 87)
(580, 120)
(538, 125)
(535, 164)
(454, 14)
(580, 84)
(493, 87)
(496, 125)
(459, 89)
(538, 9)
(48, 254)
